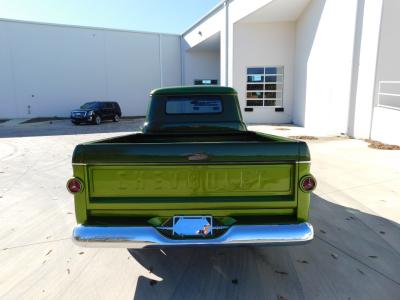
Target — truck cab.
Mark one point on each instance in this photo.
(194, 176)
(194, 109)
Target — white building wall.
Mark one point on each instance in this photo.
(47, 70)
(8, 106)
(211, 25)
(201, 65)
(205, 28)
(237, 10)
(259, 45)
(386, 125)
(324, 54)
(221, 20)
(370, 13)
(170, 60)
(132, 68)
(386, 121)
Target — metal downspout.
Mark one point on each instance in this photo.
(226, 3)
(376, 75)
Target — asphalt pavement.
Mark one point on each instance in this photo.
(355, 212)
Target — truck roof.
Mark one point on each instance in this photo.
(194, 90)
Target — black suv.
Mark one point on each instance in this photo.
(95, 112)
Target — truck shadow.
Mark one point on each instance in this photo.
(355, 255)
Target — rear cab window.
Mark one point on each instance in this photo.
(193, 105)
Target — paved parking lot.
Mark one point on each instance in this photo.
(355, 211)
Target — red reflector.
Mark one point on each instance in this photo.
(308, 183)
(74, 185)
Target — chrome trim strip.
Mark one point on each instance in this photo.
(147, 236)
(277, 162)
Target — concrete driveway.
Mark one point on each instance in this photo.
(355, 211)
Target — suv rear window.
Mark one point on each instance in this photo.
(90, 105)
(193, 105)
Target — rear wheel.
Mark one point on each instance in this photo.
(116, 118)
(97, 120)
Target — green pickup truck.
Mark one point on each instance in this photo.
(194, 176)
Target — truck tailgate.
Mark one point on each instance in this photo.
(128, 177)
(169, 187)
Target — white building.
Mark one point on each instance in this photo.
(48, 70)
(329, 65)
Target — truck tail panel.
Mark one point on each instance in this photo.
(145, 176)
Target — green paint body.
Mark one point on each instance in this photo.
(192, 165)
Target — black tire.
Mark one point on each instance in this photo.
(116, 118)
(97, 120)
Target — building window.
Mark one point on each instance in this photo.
(205, 82)
(264, 86)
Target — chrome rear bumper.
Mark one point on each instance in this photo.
(142, 237)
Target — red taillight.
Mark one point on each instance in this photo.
(308, 183)
(74, 185)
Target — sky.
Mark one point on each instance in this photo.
(169, 16)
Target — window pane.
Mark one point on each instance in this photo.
(277, 78)
(270, 87)
(269, 102)
(273, 95)
(193, 105)
(255, 78)
(271, 78)
(270, 95)
(274, 70)
(255, 95)
(271, 70)
(255, 87)
(254, 102)
(255, 70)
(273, 87)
